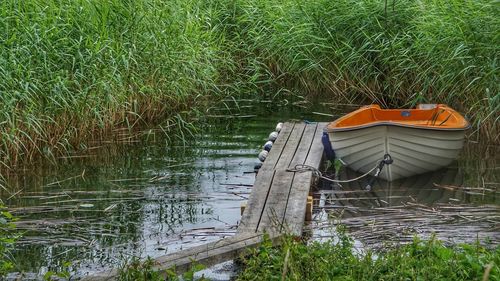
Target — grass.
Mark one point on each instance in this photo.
(339, 260)
(72, 71)
(8, 236)
(144, 271)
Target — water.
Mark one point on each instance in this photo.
(457, 204)
(141, 199)
(148, 198)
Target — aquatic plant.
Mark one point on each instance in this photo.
(395, 53)
(71, 71)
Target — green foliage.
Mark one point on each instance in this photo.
(63, 274)
(69, 69)
(8, 236)
(138, 270)
(338, 260)
(337, 165)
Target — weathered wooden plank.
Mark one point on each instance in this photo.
(296, 208)
(108, 275)
(278, 147)
(274, 210)
(216, 255)
(256, 202)
(206, 250)
(275, 205)
(305, 145)
(260, 191)
(208, 254)
(315, 155)
(205, 247)
(291, 147)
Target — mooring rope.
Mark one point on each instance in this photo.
(300, 168)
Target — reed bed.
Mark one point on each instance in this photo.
(75, 71)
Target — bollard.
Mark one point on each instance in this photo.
(309, 208)
(242, 207)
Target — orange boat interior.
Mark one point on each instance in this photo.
(426, 116)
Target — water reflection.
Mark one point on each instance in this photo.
(149, 198)
(458, 203)
(139, 203)
(140, 199)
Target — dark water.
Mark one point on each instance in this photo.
(148, 198)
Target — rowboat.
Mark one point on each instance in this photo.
(418, 140)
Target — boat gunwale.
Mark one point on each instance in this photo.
(332, 126)
(395, 124)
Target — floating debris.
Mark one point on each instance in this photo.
(86, 205)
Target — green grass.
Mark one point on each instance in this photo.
(8, 236)
(137, 270)
(71, 71)
(339, 260)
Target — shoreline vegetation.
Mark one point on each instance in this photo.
(426, 259)
(73, 71)
(339, 259)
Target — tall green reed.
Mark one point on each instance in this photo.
(73, 68)
(71, 71)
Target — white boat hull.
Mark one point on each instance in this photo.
(414, 151)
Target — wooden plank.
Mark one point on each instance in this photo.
(305, 145)
(216, 255)
(315, 155)
(256, 202)
(168, 261)
(102, 276)
(205, 247)
(208, 255)
(291, 147)
(260, 191)
(274, 209)
(296, 209)
(278, 146)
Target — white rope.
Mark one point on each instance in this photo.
(304, 168)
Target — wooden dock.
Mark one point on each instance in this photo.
(276, 205)
(278, 200)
